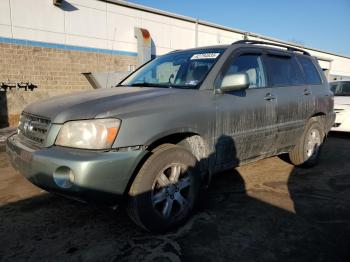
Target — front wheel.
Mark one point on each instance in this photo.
(306, 152)
(164, 191)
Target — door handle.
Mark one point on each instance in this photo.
(270, 97)
(307, 92)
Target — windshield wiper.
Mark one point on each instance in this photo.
(147, 84)
(138, 84)
(142, 84)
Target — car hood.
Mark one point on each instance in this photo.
(111, 102)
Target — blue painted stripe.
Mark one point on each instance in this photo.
(65, 47)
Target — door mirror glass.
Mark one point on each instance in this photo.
(232, 82)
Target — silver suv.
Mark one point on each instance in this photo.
(157, 138)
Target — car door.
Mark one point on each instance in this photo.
(317, 82)
(294, 97)
(245, 120)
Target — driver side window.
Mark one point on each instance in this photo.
(251, 65)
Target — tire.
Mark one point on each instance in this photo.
(165, 189)
(306, 152)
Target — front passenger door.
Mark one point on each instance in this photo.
(245, 120)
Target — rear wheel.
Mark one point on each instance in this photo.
(307, 151)
(164, 191)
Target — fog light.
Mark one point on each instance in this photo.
(64, 177)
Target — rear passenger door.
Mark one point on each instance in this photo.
(294, 97)
(314, 80)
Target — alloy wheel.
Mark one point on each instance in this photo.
(313, 142)
(171, 194)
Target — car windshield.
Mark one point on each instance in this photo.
(341, 88)
(179, 69)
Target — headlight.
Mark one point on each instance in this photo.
(89, 134)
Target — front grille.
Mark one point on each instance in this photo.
(33, 128)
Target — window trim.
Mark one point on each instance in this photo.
(315, 66)
(236, 53)
(289, 56)
(278, 53)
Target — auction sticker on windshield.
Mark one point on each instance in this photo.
(205, 56)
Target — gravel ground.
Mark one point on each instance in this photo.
(265, 211)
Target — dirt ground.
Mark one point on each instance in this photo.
(265, 211)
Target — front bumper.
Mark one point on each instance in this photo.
(96, 176)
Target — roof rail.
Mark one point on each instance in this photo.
(255, 42)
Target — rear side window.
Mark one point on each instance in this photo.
(312, 76)
(345, 89)
(283, 71)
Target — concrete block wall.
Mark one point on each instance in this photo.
(54, 71)
(13, 101)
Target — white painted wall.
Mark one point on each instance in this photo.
(98, 24)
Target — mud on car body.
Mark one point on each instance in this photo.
(155, 140)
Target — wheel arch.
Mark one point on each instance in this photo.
(191, 140)
(322, 118)
(318, 114)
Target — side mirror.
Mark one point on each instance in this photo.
(234, 82)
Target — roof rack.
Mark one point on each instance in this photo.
(255, 42)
